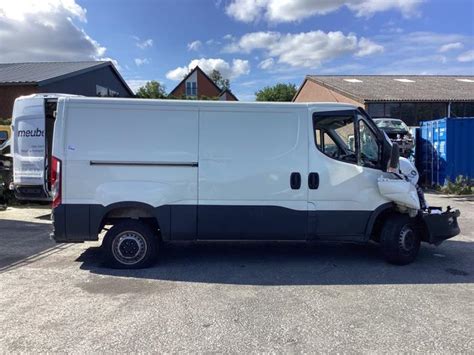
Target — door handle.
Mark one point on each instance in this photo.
(295, 181)
(313, 181)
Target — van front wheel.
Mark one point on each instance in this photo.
(130, 244)
(399, 240)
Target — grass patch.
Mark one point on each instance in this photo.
(462, 185)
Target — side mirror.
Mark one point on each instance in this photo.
(394, 157)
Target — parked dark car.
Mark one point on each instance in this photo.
(398, 132)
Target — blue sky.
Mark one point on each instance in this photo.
(253, 42)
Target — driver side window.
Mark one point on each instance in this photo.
(335, 137)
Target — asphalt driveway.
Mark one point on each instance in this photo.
(222, 297)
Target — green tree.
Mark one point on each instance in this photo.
(151, 90)
(278, 92)
(219, 80)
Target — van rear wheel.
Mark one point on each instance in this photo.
(130, 244)
(400, 240)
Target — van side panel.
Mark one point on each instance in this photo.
(134, 153)
(246, 158)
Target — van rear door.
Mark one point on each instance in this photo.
(29, 147)
(33, 122)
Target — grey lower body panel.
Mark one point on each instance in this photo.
(81, 222)
(31, 193)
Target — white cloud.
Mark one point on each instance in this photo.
(232, 70)
(228, 37)
(306, 49)
(177, 74)
(295, 10)
(367, 47)
(239, 67)
(32, 30)
(466, 56)
(194, 46)
(136, 84)
(266, 63)
(450, 47)
(416, 53)
(147, 43)
(141, 61)
(254, 40)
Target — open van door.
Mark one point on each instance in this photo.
(32, 124)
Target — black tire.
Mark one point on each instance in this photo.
(400, 240)
(130, 244)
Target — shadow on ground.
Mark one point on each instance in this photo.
(295, 264)
(20, 241)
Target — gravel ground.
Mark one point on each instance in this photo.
(249, 297)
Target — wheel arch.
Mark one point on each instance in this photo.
(376, 220)
(157, 218)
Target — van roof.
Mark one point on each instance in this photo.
(206, 103)
(46, 95)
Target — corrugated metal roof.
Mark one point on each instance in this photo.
(34, 73)
(400, 87)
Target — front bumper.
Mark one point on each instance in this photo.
(441, 226)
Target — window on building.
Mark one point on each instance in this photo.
(408, 113)
(412, 113)
(105, 92)
(392, 110)
(113, 93)
(101, 91)
(191, 88)
(469, 109)
(424, 111)
(439, 110)
(462, 109)
(376, 110)
(457, 109)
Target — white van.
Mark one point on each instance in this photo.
(159, 170)
(32, 126)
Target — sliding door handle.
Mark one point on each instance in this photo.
(313, 181)
(295, 181)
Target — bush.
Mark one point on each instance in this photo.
(460, 186)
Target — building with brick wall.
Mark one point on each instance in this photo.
(411, 98)
(92, 78)
(197, 84)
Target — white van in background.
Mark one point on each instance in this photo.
(159, 170)
(32, 134)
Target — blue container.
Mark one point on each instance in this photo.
(445, 149)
